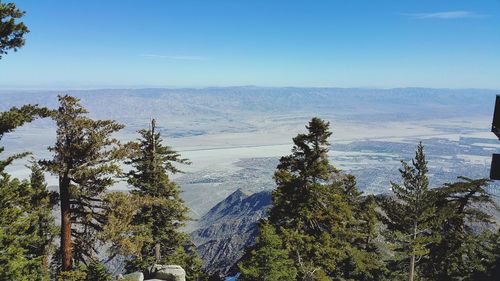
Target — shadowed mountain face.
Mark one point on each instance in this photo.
(228, 228)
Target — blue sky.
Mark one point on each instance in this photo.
(385, 44)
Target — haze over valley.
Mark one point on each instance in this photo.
(234, 136)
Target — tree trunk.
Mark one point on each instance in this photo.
(157, 253)
(412, 259)
(66, 245)
(412, 267)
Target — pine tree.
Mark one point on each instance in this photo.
(492, 263)
(363, 259)
(14, 231)
(299, 175)
(96, 271)
(316, 211)
(122, 236)
(462, 251)
(152, 164)
(410, 214)
(16, 117)
(86, 162)
(43, 226)
(368, 221)
(12, 32)
(267, 260)
(302, 203)
(23, 249)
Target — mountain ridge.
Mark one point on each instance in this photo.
(228, 228)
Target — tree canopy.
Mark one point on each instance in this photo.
(325, 225)
(86, 161)
(12, 31)
(26, 223)
(163, 218)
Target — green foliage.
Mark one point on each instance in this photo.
(459, 212)
(410, 214)
(300, 177)
(27, 228)
(86, 162)
(26, 224)
(12, 31)
(268, 260)
(16, 117)
(14, 236)
(186, 256)
(492, 260)
(42, 227)
(440, 227)
(96, 271)
(73, 275)
(122, 235)
(319, 215)
(165, 215)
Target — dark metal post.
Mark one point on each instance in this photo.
(495, 128)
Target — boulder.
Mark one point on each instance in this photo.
(136, 276)
(168, 272)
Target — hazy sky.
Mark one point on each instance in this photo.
(348, 43)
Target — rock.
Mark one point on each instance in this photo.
(168, 272)
(136, 276)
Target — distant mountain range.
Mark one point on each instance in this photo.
(232, 102)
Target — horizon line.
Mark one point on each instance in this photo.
(235, 86)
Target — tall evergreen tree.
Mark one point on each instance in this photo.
(299, 175)
(303, 201)
(267, 260)
(316, 211)
(86, 162)
(152, 164)
(410, 214)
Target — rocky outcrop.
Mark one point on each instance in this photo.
(228, 228)
(168, 272)
(136, 276)
(157, 273)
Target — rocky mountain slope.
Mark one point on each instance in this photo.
(228, 228)
(231, 226)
